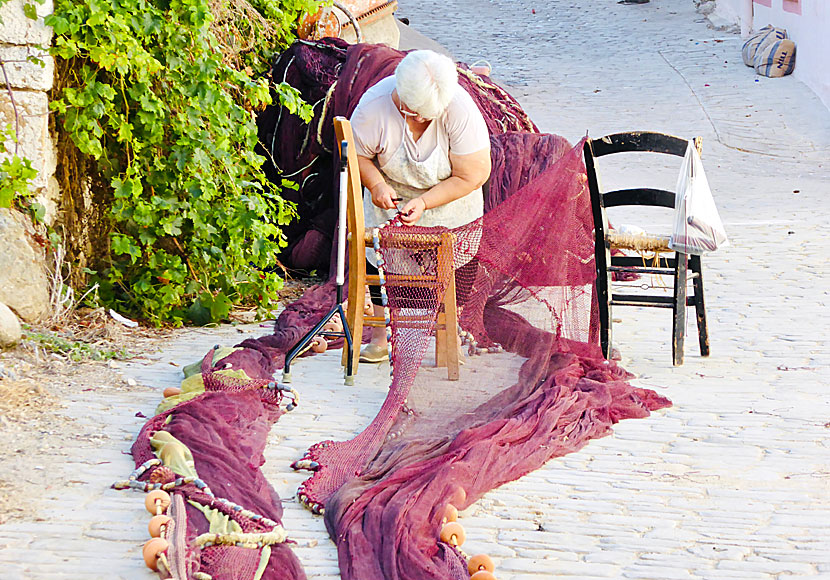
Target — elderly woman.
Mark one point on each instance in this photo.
(423, 150)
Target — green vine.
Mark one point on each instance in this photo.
(160, 96)
(16, 172)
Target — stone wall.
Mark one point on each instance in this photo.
(24, 105)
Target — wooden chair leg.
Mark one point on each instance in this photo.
(451, 330)
(354, 315)
(593, 326)
(696, 266)
(441, 339)
(679, 308)
(604, 310)
(450, 326)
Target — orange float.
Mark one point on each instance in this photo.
(152, 550)
(157, 523)
(450, 514)
(157, 501)
(480, 562)
(453, 534)
(458, 496)
(333, 327)
(483, 575)
(171, 392)
(319, 344)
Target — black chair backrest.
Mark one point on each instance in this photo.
(634, 142)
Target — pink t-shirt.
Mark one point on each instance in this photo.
(379, 128)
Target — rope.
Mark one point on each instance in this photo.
(352, 19)
(243, 540)
(638, 242)
(323, 113)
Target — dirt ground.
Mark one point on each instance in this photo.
(58, 364)
(49, 368)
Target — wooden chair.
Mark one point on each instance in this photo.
(681, 267)
(446, 349)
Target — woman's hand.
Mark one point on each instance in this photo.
(413, 210)
(383, 195)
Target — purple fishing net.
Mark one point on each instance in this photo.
(535, 385)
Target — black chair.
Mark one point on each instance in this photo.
(681, 267)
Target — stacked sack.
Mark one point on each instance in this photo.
(770, 52)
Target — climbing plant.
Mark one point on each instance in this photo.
(155, 101)
(16, 171)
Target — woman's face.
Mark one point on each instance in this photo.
(410, 114)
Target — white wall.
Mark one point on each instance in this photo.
(810, 30)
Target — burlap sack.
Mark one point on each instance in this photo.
(754, 42)
(775, 59)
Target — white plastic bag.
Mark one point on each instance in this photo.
(697, 226)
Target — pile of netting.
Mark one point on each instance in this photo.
(332, 76)
(534, 385)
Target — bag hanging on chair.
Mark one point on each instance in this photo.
(698, 228)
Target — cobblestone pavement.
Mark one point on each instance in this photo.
(732, 482)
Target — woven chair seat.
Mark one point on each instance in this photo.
(638, 242)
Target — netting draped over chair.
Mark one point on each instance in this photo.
(545, 394)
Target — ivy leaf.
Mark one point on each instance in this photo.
(121, 245)
(60, 25)
(198, 314)
(38, 211)
(30, 11)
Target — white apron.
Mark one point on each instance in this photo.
(410, 178)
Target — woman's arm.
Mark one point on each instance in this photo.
(469, 172)
(372, 179)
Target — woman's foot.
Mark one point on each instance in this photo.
(374, 353)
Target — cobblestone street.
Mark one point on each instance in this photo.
(731, 482)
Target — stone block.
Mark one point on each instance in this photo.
(17, 28)
(24, 285)
(24, 73)
(10, 331)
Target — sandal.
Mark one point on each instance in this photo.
(374, 353)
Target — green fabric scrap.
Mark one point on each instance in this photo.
(173, 454)
(218, 354)
(193, 386)
(219, 523)
(264, 556)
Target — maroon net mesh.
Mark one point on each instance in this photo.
(545, 393)
(226, 429)
(534, 385)
(332, 76)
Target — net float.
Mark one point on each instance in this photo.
(319, 344)
(483, 575)
(157, 523)
(154, 548)
(458, 496)
(480, 562)
(157, 501)
(171, 392)
(450, 514)
(452, 533)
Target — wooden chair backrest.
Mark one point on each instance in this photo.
(356, 224)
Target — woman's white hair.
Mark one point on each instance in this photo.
(426, 82)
